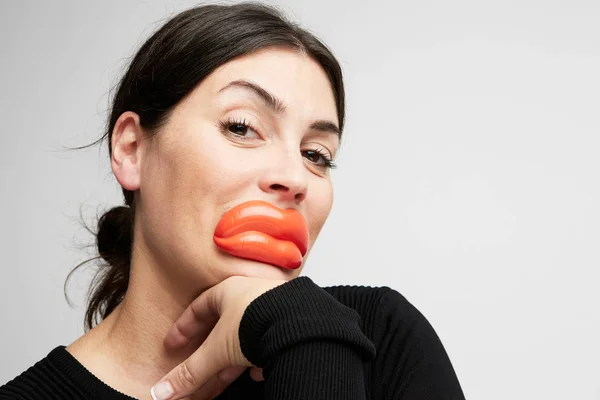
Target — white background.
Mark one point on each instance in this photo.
(468, 178)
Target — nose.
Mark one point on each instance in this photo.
(286, 179)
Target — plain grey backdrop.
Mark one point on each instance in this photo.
(468, 178)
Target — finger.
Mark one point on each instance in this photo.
(196, 322)
(257, 374)
(193, 373)
(230, 374)
(218, 383)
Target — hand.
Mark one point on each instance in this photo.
(214, 316)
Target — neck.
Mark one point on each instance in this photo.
(126, 349)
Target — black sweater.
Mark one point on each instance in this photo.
(341, 342)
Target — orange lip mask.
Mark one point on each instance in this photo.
(257, 230)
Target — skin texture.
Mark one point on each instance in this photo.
(186, 178)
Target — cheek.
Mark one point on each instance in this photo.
(198, 166)
(181, 174)
(199, 179)
(319, 207)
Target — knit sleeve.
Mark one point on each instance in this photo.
(411, 362)
(309, 345)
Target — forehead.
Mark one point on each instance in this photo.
(294, 78)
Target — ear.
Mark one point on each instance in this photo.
(126, 150)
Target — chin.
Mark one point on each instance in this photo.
(257, 269)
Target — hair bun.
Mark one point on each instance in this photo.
(115, 234)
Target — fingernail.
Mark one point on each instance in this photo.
(162, 391)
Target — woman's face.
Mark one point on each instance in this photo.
(261, 127)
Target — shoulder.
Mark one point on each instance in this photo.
(387, 317)
(376, 304)
(28, 384)
(48, 377)
(411, 361)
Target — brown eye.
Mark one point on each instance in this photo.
(238, 129)
(318, 158)
(312, 156)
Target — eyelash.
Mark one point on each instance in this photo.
(227, 123)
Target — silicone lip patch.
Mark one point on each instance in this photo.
(260, 231)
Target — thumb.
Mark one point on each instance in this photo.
(190, 375)
(198, 369)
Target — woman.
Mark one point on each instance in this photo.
(222, 134)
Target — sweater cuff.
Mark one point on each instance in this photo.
(299, 311)
(322, 370)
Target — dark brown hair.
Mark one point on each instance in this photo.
(178, 56)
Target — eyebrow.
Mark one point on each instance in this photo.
(326, 126)
(278, 107)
